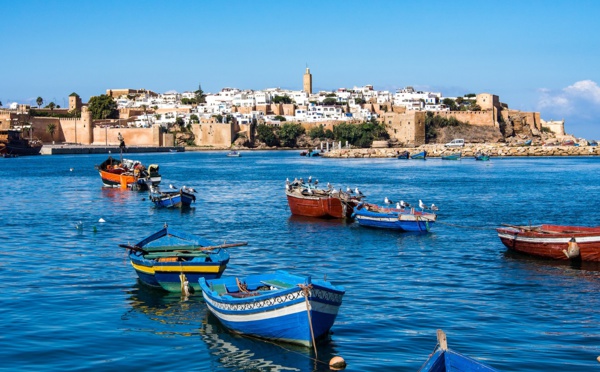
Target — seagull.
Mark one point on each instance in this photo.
(309, 179)
(348, 190)
(316, 182)
(422, 205)
(191, 189)
(357, 192)
(404, 204)
(398, 206)
(329, 185)
(172, 187)
(310, 192)
(287, 180)
(387, 201)
(434, 207)
(301, 180)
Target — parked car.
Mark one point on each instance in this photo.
(457, 142)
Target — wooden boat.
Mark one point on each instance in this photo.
(482, 156)
(305, 199)
(234, 154)
(402, 219)
(553, 241)
(126, 173)
(524, 143)
(13, 144)
(446, 360)
(183, 197)
(279, 306)
(314, 153)
(169, 258)
(403, 155)
(420, 155)
(453, 156)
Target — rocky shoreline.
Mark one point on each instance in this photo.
(494, 150)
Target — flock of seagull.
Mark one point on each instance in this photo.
(399, 205)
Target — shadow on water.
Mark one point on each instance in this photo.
(245, 353)
(565, 266)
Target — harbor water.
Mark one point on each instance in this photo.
(70, 299)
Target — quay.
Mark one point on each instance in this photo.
(66, 149)
(494, 150)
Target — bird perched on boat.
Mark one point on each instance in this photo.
(404, 204)
(329, 186)
(301, 180)
(348, 190)
(398, 206)
(434, 207)
(316, 182)
(357, 192)
(422, 205)
(387, 201)
(309, 191)
(309, 179)
(172, 187)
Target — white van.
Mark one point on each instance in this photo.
(458, 142)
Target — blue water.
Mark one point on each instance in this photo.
(71, 301)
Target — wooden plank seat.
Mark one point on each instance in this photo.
(277, 283)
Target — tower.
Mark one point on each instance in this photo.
(308, 81)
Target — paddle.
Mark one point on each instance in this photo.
(208, 248)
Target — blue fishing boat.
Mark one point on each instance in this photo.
(183, 197)
(234, 154)
(174, 260)
(446, 360)
(524, 143)
(403, 155)
(420, 155)
(399, 218)
(278, 306)
(453, 156)
(482, 156)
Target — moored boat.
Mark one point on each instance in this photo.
(127, 173)
(453, 156)
(278, 306)
(419, 155)
(234, 154)
(403, 155)
(171, 260)
(553, 241)
(524, 143)
(444, 359)
(13, 144)
(306, 199)
(482, 156)
(183, 197)
(399, 218)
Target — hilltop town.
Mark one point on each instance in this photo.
(234, 117)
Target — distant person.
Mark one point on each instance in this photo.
(121, 141)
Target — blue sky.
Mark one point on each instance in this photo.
(536, 55)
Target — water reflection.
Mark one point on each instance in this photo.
(241, 353)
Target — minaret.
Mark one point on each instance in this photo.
(308, 81)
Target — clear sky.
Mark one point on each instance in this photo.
(535, 55)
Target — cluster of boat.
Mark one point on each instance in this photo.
(451, 156)
(308, 199)
(133, 175)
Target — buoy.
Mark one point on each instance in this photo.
(598, 359)
(101, 220)
(71, 169)
(337, 363)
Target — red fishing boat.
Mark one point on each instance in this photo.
(553, 241)
(128, 173)
(305, 199)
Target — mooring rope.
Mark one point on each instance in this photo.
(305, 291)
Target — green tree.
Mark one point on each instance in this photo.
(360, 101)
(316, 132)
(346, 132)
(103, 107)
(51, 106)
(329, 101)
(329, 134)
(289, 133)
(266, 134)
(450, 103)
(279, 118)
(39, 101)
(194, 118)
(200, 96)
(0, 103)
(282, 99)
(50, 129)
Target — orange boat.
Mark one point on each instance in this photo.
(305, 199)
(128, 174)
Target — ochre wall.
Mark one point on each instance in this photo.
(213, 134)
(408, 128)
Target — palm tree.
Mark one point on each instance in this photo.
(51, 128)
(39, 101)
(51, 106)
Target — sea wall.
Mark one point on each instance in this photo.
(494, 150)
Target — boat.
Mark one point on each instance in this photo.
(306, 199)
(127, 173)
(419, 155)
(234, 154)
(169, 258)
(553, 241)
(314, 153)
(403, 155)
(173, 150)
(444, 359)
(13, 144)
(279, 306)
(405, 219)
(482, 156)
(183, 197)
(453, 156)
(524, 143)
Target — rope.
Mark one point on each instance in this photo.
(305, 291)
(433, 352)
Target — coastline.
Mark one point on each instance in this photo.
(494, 150)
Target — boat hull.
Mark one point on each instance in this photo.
(173, 199)
(276, 314)
(552, 240)
(395, 219)
(448, 360)
(113, 175)
(317, 206)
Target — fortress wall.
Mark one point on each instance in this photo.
(213, 134)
